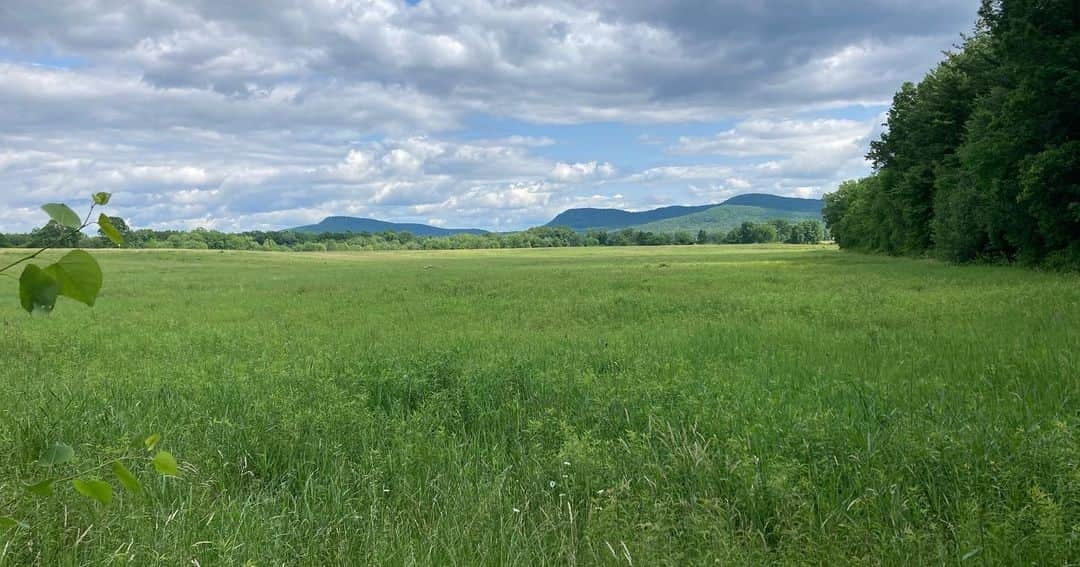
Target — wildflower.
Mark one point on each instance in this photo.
(551, 484)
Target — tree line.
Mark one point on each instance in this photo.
(779, 230)
(980, 161)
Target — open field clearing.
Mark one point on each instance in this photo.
(620, 406)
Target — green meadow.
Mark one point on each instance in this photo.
(589, 406)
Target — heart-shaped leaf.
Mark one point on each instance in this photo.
(38, 290)
(58, 454)
(165, 464)
(43, 488)
(79, 275)
(110, 231)
(102, 198)
(125, 477)
(97, 489)
(62, 214)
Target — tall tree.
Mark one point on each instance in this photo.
(982, 157)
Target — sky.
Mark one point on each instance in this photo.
(495, 114)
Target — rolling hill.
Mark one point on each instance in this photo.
(776, 202)
(757, 207)
(353, 224)
(610, 219)
(723, 218)
(715, 217)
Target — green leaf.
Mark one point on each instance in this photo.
(43, 488)
(152, 441)
(62, 214)
(165, 464)
(38, 290)
(79, 275)
(7, 522)
(102, 198)
(110, 231)
(126, 478)
(97, 489)
(57, 454)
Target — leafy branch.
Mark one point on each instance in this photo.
(76, 275)
(94, 488)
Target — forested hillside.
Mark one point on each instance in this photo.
(981, 159)
(777, 203)
(358, 225)
(725, 217)
(752, 207)
(601, 219)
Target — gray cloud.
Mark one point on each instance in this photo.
(273, 112)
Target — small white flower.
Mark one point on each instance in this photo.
(567, 463)
(516, 511)
(551, 483)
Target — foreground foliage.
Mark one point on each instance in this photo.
(75, 275)
(981, 159)
(600, 406)
(78, 276)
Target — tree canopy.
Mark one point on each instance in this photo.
(981, 159)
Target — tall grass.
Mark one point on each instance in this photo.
(661, 406)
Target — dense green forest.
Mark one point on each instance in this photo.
(980, 161)
(777, 230)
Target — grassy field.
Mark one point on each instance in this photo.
(644, 406)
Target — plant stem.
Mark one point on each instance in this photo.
(24, 259)
(85, 223)
(11, 501)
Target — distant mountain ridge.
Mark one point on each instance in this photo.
(354, 224)
(757, 207)
(582, 219)
(766, 201)
(612, 219)
(723, 218)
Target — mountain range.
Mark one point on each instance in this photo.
(717, 217)
(353, 224)
(720, 217)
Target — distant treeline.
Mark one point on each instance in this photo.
(980, 160)
(804, 232)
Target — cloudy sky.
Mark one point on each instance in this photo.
(497, 114)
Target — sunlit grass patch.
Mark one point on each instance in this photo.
(739, 404)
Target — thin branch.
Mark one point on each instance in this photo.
(24, 259)
(99, 467)
(86, 222)
(10, 502)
